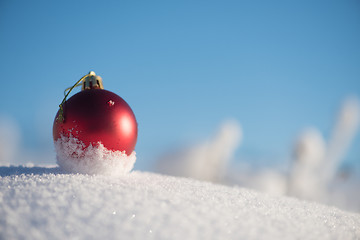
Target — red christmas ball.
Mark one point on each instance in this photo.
(96, 116)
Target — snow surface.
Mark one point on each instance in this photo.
(46, 203)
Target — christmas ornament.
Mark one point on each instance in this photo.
(96, 116)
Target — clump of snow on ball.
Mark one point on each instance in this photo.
(73, 156)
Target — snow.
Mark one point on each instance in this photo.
(46, 203)
(72, 156)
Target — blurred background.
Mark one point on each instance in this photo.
(262, 94)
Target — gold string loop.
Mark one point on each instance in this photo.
(66, 93)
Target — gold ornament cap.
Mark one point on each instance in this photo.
(92, 81)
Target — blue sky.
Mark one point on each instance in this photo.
(184, 67)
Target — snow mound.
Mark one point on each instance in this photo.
(44, 203)
(72, 156)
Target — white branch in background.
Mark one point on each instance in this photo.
(304, 181)
(207, 161)
(9, 140)
(342, 135)
(315, 164)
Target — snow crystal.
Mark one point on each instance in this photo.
(72, 156)
(44, 203)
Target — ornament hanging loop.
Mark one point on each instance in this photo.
(89, 81)
(92, 81)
